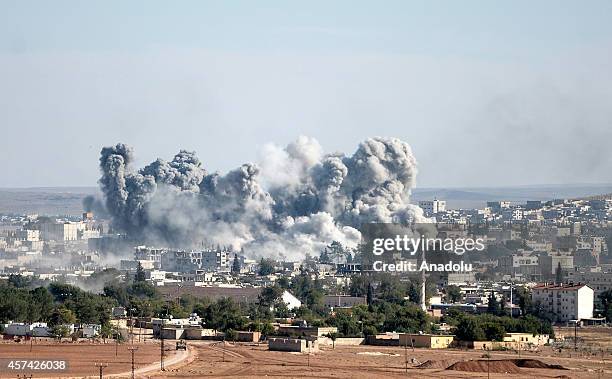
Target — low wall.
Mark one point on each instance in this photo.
(292, 345)
(493, 345)
(248, 336)
(372, 340)
(345, 341)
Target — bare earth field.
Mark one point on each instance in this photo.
(81, 357)
(218, 360)
(253, 361)
(596, 337)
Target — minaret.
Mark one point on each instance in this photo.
(423, 305)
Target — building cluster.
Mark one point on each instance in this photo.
(536, 212)
(49, 248)
(558, 250)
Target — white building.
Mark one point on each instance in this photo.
(596, 278)
(28, 235)
(91, 330)
(497, 206)
(431, 207)
(291, 301)
(59, 231)
(566, 301)
(521, 265)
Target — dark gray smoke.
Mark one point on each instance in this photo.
(295, 202)
(94, 204)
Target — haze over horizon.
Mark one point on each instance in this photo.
(487, 96)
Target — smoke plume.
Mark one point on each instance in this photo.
(294, 202)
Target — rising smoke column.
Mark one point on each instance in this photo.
(295, 202)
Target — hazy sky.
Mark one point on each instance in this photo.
(487, 93)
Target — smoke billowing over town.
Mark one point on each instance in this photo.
(229, 189)
(297, 200)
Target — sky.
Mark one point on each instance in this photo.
(487, 93)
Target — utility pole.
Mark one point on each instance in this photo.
(161, 345)
(423, 295)
(116, 337)
(511, 309)
(223, 350)
(101, 366)
(139, 328)
(406, 355)
(132, 350)
(131, 317)
(575, 336)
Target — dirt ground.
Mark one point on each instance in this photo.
(255, 361)
(82, 356)
(595, 337)
(217, 360)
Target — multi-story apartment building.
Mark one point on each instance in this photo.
(598, 279)
(431, 207)
(181, 261)
(217, 260)
(553, 260)
(143, 253)
(565, 301)
(59, 231)
(524, 265)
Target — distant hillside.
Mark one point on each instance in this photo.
(68, 200)
(477, 197)
(45, 200)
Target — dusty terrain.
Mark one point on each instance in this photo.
(590, 338)
(255, 361)
(82, 357)
(217, 360)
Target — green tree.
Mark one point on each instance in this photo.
(270, 296)
(283, 282)
(60, 331)
(392, 290)
(359, 285)
(236, 265)
(106, 331)
(62, 316)
(117, 291)
(42, 302)
(140, 273)
(559, 274)
(333, 336)
(406, 319)
(523, 299)
(453, 294)
(267, 329)
(606, 302)
(266, 267)
(469, 329)
(493, 305)
(224, 314)
(414, 293)
(494, 331)
(346, 322)
(370, 295)
(19, 281)
(230, 335)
